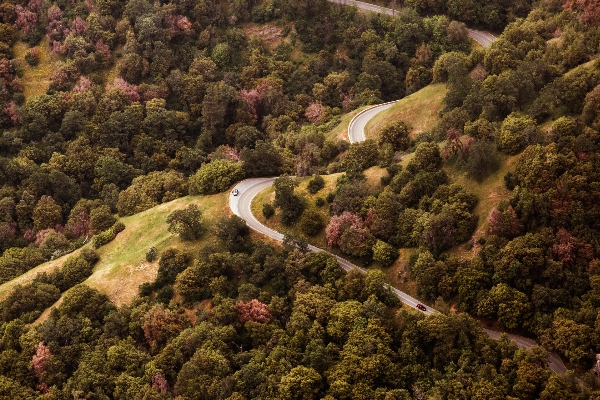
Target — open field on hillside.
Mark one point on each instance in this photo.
(419, 111)
(123, 266)
(36, 79)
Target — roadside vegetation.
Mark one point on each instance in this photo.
(123, 125)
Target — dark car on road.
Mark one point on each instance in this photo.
(421, 307)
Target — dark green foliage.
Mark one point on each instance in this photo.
(171, 263)
(27, 302)
(164, 294)
(482, 160)
(267, 210)
(291, 205)
(311, 222)
(151, 254)
(361, 155)
(315, 184)
(396, 134)
(186, 223)
(234, 233)
(75, 270)
(216, 176)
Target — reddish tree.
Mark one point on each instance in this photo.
(55, 28)
(35, 5)
(254, 311)
(589, 10)
(81, 226)
(252, 100)
(160, 324)
(57, 47)
(183, 24)
(504, 223)
(26, 19)
(338, 224)
(314, 112)
(78, 26)
(129, 89)
(564, 247)
(82, 85)
(8, 232)
(54, 13)
(39, 359)
(159, 383)
(103, 51)
(12, 113)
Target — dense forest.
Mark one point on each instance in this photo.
(149, 102)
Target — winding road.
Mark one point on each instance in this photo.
(248, 189)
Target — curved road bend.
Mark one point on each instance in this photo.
(241, 206)
(483, 38)
(249, 188)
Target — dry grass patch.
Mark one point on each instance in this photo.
(419, 111)
(36, 79)
(123, 266)
(270, 34)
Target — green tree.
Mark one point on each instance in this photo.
(395, 133)
(515, 133)
(186, 223)
(427, 158)
(46, 214)
(300, 383)
(311, 222)
(215, 177)
(234, 233)
(384, 253)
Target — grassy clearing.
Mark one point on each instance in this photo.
(123, 266)
(36, 79)
(489, 192)
(419, 111)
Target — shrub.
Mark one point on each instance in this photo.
(385, 253)
(151, 254)
(268, 210)
(186, 223)
(103, 238)
(315, 184)
(118, 227)
(215, 177)
(319, 202)
(75, 270)
(164, 294)
(90, 255)
(33, 56)
(311, 222)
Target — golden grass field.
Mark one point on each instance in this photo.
(36, 79)
(419, 111)
(122, 266)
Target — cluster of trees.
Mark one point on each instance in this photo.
(196, 103)
(276, 323)
(532, 95)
